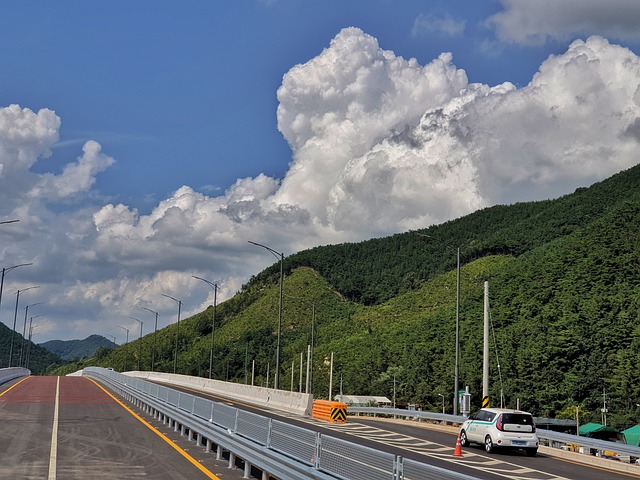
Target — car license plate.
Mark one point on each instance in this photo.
(518, 443)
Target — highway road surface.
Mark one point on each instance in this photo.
(425, 444)
(70, 428)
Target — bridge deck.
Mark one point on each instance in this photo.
(71, 428)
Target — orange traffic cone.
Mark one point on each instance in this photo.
(458, 451)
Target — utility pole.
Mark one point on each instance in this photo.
(485, 350)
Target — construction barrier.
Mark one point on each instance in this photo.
(330, 411)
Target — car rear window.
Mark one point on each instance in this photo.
(517, 419)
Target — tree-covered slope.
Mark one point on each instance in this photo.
(565, 311)
(25, 354)
(373, 271)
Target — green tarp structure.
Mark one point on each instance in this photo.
(597, 430)
(632, 435)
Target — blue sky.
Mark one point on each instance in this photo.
(144, 142)
(184, 93)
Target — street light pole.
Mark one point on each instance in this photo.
(457, 359)
(139, 341)
(124, 367)
(214, 286)
(15, 318)
(155, 331)
(175, 355)
(31, 329)
(7, 270)
(279, 256)
(24, 329)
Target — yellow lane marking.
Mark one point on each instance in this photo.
(13, 386)
(53, 455)
(160, 434)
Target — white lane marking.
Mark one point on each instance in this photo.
(54, 436)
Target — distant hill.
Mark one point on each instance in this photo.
(78, 349)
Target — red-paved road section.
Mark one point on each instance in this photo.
(97, 438)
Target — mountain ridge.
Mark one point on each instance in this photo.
(564, 280)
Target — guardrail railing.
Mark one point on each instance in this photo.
(548, 435)
(276, 448)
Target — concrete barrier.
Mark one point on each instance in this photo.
(7, 374)
(291, 402)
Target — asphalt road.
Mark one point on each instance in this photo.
(70, 428)
(414, 440)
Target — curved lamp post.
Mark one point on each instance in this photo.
(155, 331)
(126, 355)
(4, 272)
(31, 329)
(139, 342)
(24, 329)
(457, 360)
(215, 287)
(175, 355)
(279, 256)
(15, 317)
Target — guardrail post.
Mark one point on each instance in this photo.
(318, 449)
(268, 445)
(398, 473)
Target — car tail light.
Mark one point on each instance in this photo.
(499, 423)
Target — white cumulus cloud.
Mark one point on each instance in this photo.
(380, 144)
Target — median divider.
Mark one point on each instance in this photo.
(291, 402)
(335, 412)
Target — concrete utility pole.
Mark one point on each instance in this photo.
(485, 349)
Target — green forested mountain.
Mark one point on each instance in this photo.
(25, 354)
(565, 311)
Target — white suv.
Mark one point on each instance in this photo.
(498, 427)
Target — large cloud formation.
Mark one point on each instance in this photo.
(380, 145)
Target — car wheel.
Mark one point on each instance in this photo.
(531, 452)
(464, 441)
(488, 444)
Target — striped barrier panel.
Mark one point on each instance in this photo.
(335, 412)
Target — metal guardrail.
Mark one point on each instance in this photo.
(549, 435)
(277, 448)
(7, 374)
